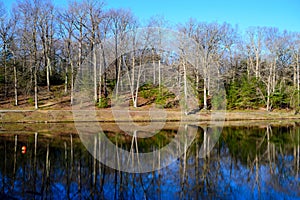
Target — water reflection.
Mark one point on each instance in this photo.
(247, 162)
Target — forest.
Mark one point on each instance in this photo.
(43, 46)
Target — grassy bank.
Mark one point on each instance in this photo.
(106, 115)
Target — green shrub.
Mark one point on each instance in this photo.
(31, 101)
(102, 103)
(218, 102)
(161, 100)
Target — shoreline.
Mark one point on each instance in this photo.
(106, 115)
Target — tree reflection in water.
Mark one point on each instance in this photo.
(247, 162)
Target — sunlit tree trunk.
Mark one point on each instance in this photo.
(159, 76)
(100, 75)
(298, 71)
(48, 63)
(72, 82)
(185, 87)
(137, 85)
(15, 82)
(205, 89)
(5, 72)
(119, 61)
(154, 67)
(95, 72)
(298, 78)
(35, 89)
(66, 78)
(268, 93)
(35, 62)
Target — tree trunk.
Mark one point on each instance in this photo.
(15, 83)
(100, 83)
(274, 76)
(159, 77)
(66, 79)
(208, 84)
(35, 88)
(298, 78)
(295, 75)
(104, 75)
(197, 83)
(154, 68)
(257, 66)
(205, 94)
(185, 88)
(48, 72)
(116, 57)
(5, 73)
(95, 72)
(268, 92)
(138, 84)
(205, 72)
(248, 67)
(79, 54)
(118, 76)
(298, 75)
(72, 82)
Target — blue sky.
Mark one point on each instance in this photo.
(284, 14)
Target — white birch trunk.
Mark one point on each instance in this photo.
(15, 83)
(48, 73)
(95, 72)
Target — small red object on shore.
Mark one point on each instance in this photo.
(24, 149)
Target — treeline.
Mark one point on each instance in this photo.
(44, 45)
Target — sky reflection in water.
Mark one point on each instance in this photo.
(62, 168)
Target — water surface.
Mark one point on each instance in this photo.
(248, 162)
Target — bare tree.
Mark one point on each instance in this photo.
(95, 17)
(295, 47)
(211, 40)
(29, 13)
(255, 35)
(74, 20)
(134, 75)
(4, 35)
(102, 34)
(7, 38)
(79, 14)
(272, 43)
(66, 30)
(158, 23)
(121, 21)
(46, 29)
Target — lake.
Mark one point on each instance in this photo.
(248, 161)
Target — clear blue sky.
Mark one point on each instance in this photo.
(284, 14)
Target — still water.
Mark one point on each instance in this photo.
(247, 162)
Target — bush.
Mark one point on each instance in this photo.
(218, 102)
(160, 100)
(102, 103)
(31, 101)
(242, 94)
(148, 91)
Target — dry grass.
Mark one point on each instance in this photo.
(106, 115)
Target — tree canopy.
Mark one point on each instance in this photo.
(42, 47)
